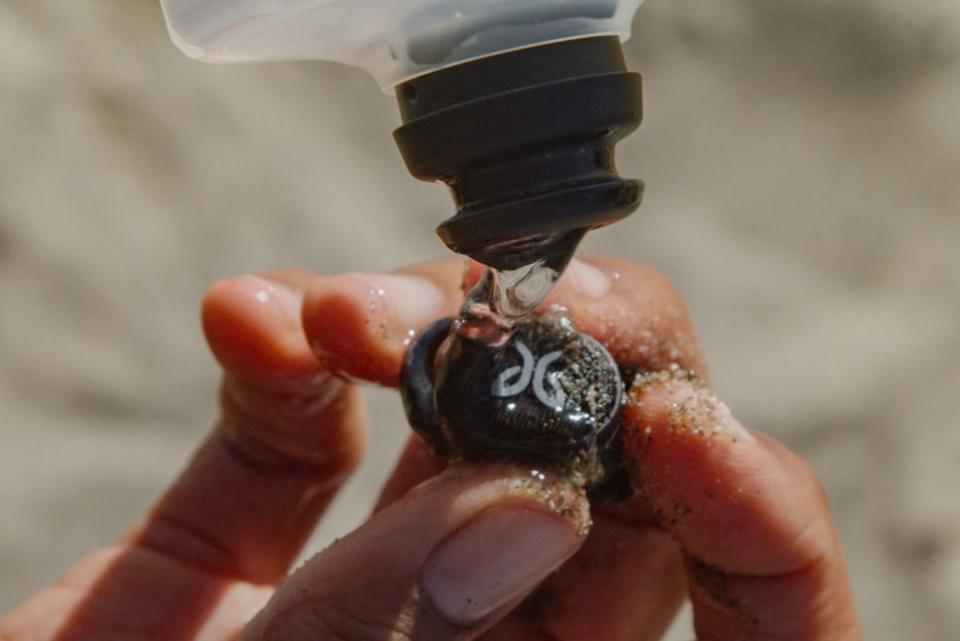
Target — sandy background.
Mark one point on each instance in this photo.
(803, 170)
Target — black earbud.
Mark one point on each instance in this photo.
(548, 396)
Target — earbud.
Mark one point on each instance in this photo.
(548, 396)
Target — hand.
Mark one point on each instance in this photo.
(725, 516)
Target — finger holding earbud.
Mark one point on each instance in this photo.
(445, 563)
(762, 554)
(361, 324)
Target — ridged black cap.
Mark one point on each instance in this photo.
(525, 140)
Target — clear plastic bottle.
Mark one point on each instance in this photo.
(394, 40)
(515, 104)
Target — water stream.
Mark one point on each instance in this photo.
(504, 297)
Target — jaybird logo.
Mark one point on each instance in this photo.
(514, 380)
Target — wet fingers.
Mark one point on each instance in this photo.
(360, 325)
(763, 558)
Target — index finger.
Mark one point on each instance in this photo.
(361, 324)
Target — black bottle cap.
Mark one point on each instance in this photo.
(525, 141)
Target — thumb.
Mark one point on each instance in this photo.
(446, 562)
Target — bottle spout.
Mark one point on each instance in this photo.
(525, 140)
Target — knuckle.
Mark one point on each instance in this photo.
(320, 429)
(321, 400)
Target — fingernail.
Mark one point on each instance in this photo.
(588, 280)
(409, 299)
(496, 558)
(735, 428)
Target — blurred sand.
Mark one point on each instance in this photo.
(803, 171)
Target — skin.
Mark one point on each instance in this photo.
(725, 517)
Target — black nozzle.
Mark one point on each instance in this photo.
(525, 141)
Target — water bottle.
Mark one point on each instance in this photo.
(516, 105)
